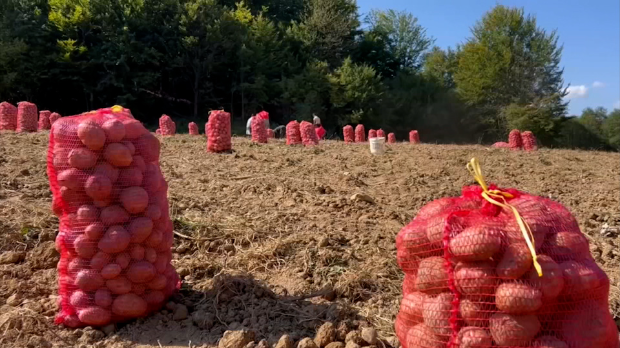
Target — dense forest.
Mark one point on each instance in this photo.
(294, 58)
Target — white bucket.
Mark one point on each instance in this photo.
(377, 146)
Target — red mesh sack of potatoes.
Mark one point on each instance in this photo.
(158, 131)
(293, 133)
(414, 137)
(514, 140)
(501, 145)
(54, 116)
(115, 233)
(372, 134)
(380, 133)
(218, 132)
(270, 133)
(360, 133)
(391, 139)
(308, 134)
(8, 116)
(193, 128)
(44, 120)
(167, 126)
(26, 117)
(348, 134)
(529, 141)
(259, 130)
(501, 268)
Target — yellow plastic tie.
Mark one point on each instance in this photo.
(494, 197)
(117, 108)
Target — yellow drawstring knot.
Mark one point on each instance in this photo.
(117, 108)
(494, 197)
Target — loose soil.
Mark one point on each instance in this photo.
(270, 239)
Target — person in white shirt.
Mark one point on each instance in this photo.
(248, 126)
(316, 120)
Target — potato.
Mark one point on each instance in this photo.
(153, 180)
(155, 238)
(123, 259)
(94, 231)
(134, 199)
(411, 307)
(163, 259)
(103, 298)
(71, 321)
(141, 272)
(476, 243)
(518, 298)
(148, 147)
(566, 246)
(119, 285)
(475, 278)
(114, 215)
(160, 281)
(150, 255)
(114, 130)
(88, 280)
(133, 128)
(582, 278)
(589, 325)
(91, 135)
(87, 214)
(85, 247)
(94, 316)
(539, 227)
(82, 158)
(552, 281)
(435, 229)
(99, 261)
(515, 262)
(138, 289)
(136, 251)
(61, 158)
(476, 310)
(512, 329)
(548, 342)
(79, 299)
(130, 146)
(409, 284)
(73, 199)
(413, 245)
(140, 229)
(437, 312)
(111, 271)
(108, 170)
(474, 337)
(432, 275)
(129, 306)
(401, 328)
(115, 240)
(138, 162)
(435, 207)
(117, 155)
(153, 212)
(130, 176)
(98, 187)
(154, 298)
(72, 178)
(420, 336)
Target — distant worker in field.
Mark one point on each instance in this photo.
(262, 115)
(318, 128)
(316, 120)
(280, 132)
(248, 126)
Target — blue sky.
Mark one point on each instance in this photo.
(589, 31)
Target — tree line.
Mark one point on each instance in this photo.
(293, 58)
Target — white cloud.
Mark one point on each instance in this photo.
(575, 92)
(617, 105)
(598, 84)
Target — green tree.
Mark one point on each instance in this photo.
(308, 92)
(611, 128)
(510, 60)
(441, 65)
(593, 120)
(405, 37)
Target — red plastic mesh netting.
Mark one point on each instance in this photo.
(360, 133)
(349, 134)
(270, 133)
(259, 130)
(308, 134)
(219, 132)
(293, 133)
(44, 120)
(501, 145)
(372, 134)
(115, 233)
(514, 140)
(414, 137)
(529, 141)
(380, 133)
(470, 279)
(8, 116)
(391, 139)
(54, 117)
(167, 126)
(193, 128)
(26, 117)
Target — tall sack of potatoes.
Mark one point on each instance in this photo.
(293, 133)
(414, 137)
(514, 140)
(348, 134)
(360, 133)
(44, 120)
(372, 134)
(308, 134)
(26, 117)
(502, 268)
(529, 141)
(380, 133)
(219, 132)
(167, 126)
(54, 116)
(115, 234)
(193, 128)
(8, 116)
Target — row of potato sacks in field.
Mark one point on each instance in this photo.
(471, 280)
(23, 118)
(518, 140)
(115, 232)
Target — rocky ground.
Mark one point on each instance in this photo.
(280, 246)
